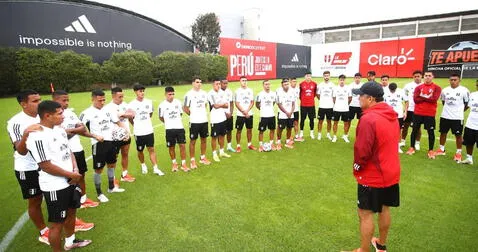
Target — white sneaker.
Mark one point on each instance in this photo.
(158, 171)
(312, 135)
(215, 157)
(102, 198)
(402, 143)
(224, 155)
(334, 139)
(144, 169)
(346, 139)
(417, 146)
(330, 137)
(116, 189)
(467, 161)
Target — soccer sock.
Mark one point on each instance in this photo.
(111, 178)
(417, 143)
(287, 141)
(42, 232)
(221, 151)
(458, 151)
(238, 145)
(380, 246)
(271, 141)
(143, 165)
(83, 199)
(214, 152)
(442, 147)
(173, 160)
(229, 145)
(249, 144)
(155, 166)
(193, 159)
(260, 143)
(469, 157)
(124, 173)
(301, 134)
(278, 141)
(97, 179)
(69, 240)
(183, 162)
(203, 156)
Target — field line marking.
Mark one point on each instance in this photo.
(14, 231)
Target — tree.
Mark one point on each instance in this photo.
(74, 71)
(206, 31)
(8, 71)
(129, 67)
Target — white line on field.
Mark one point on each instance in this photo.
(13, 232)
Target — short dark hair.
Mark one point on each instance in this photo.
(385, 76)
(264, 81)
(284, 80)
(392, 86)
(455, 75)
(137, 87)
(358, 75)
(195, 78)
(342, 76)
(379, 99)
(97, 92)
(308, 72)
(47, 107)
(168, 89)
(22, 96)
(116, 90)
(216, 79)
(371, 73)
(57, 93)
(293, 78)
(326, 72)
(417, 72)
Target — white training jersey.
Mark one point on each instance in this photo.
(341, 95)
(287, 100)
(386, 91)
(15, 127)
(171, 112)
(217, 115)
(325, 90)
(100, 122)
(51, 145)
(396, 100)
(296, 91)
(119, 109)
(196, 102)
(408, 90)
(142, 124)
(267, 100)
(472, 120)
(70, 122)
(244, 96)
(455, 99)
(355, 98)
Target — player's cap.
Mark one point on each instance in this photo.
(137, 87)
(371, 88)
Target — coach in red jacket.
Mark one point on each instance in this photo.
(376, 164)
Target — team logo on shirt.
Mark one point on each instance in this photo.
(63, 214)
(32, 191)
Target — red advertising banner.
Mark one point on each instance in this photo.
(397, 58)
(253, 59)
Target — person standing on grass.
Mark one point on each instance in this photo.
(296, 90)
(455, 102)
(354, 107)
(58, 175)
(470, 137)
(307, 90)
(143, 128)
(409, 89)
(219, 105)
(395, 98)
(286, 103)
(425, 97)
(265, 101)
(244, 101)
(371, 75)
(170, 113)
(326, 105)
(384, 81)
(342, 95)
(376, 165)
(229, 114)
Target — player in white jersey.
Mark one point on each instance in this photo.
(120, 108)
(455, 101)
(342, 96)
(354, 107)
(195, 102)
(58, 177)
(143, 128)
(470, 137)
(395, 98)
(219, 104)
(19, 128)
(265, 101)
(326, 104)
(410, 107)
(229, 114)
(371, 76)
(296, 90)
(170, 113)
(101, 122)
(244, 101)
(384, 81)
(286, 102)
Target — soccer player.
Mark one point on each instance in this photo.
(384, 81)
(395, 98)
(100, 122)
(354, 107)
(229, 114)
(293, 87)
(425, 96)
(286, 103)
(195, 102)
(170, 113)
(342, 95)
(143, 128)
(371, 76)
(326, 104)
(455, 101)
(470, 137)
(307, 89)
(265, 101)
(19, 128)
(74, 128)
(410, 107)
(120, 108)
(244, 101)
(219, 105)
(58, 177)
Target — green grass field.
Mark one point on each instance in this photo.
(293, 200)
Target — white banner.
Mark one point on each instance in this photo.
(338, 58)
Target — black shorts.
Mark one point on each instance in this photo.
(81, 162)
(229, 124)
(120, 144)
(409, 118)
(58, 202)
(286, 123)
(428, 121)
(336, 116)
(371, 198)
(325, 113)
(400, 122)
(355, 112)
(218, 129)
(103, 153)
(198, 130)
(241, 120)
(456, 126)
(142, 141)
(307, 112)
(296, 116)
(470, 137)
(175, 136)
(267, 123)
(29, 185)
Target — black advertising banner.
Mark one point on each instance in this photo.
(292, 60)
(84, 28)
(452, 54)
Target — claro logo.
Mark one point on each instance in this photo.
(390, 60)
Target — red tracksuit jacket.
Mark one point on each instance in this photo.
(425, 97)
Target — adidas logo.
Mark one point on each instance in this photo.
(295, 58)
(82, 24)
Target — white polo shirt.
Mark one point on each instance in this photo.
(171, 112)
(325, 90)
(396, 100)
(408, 90)
(196, 102)
(355, 98)
(244, 96)
(296, 91)
(100, 122)
(119, 109)
(142, 120)
(472, 120)
(341, 95)
(217, 115)
(15, 127)
(267, 100)
(286, 99)
(70, 122)
(455, 99)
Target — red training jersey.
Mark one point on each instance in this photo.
(425, 97)
(307, 93)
